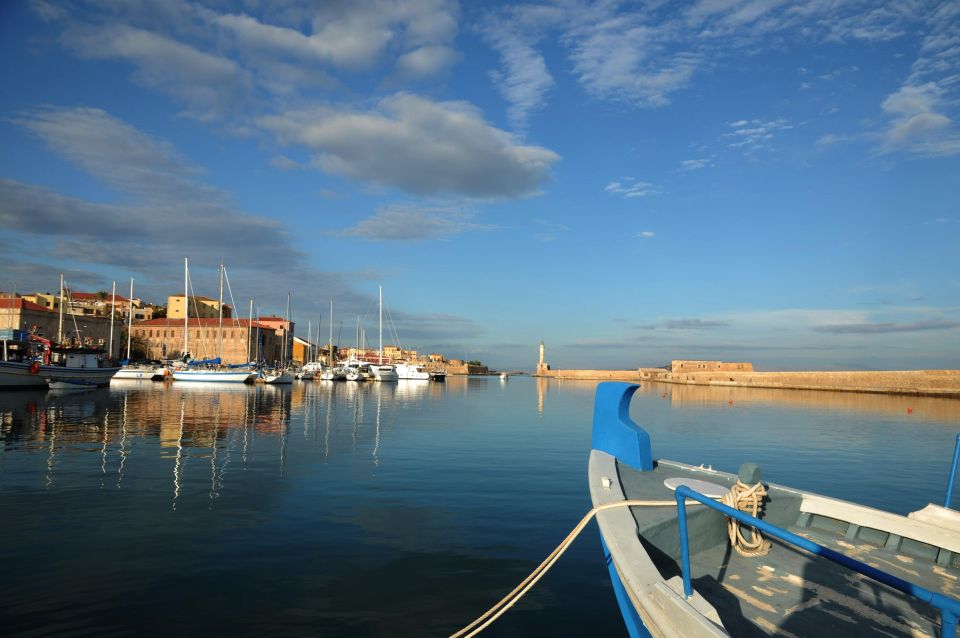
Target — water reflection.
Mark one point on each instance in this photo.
(336, 508)
(712, 397)
(143, 427)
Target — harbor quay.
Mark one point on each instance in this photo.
(934, 383)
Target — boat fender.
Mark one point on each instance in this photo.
(34, 368)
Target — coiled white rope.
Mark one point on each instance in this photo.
(508, 601)
(746, 498)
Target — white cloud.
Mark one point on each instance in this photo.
(916, 125)
(426, 61)
(418, 146)
(646, 234)
(630, 188)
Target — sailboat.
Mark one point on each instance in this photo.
(136, 372)
(281, 376)
(204, 374)
(332, 372)
(382, 372)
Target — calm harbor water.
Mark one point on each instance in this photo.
(381, 509)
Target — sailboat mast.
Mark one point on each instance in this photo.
(220, 318)
(380, 354)
(309, 334)
(113, 308)
(286, 331)
(130, 319)
(60, 322)
(186, 309)
(249, 330)
(330, 344)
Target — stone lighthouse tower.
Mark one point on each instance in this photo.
(542, 366)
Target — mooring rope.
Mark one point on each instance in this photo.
(508, 601)
(746, 498)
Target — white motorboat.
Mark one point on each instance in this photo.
(139, 372)
(385, 373)
(412, 371)
(305, 375)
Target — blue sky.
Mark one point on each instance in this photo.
(758, 180)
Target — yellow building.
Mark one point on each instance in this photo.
(201, 307)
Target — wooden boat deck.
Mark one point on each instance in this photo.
(788, 592)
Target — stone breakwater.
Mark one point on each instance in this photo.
(938, 383)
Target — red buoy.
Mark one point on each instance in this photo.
(34, 367)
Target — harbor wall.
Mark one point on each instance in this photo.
(914, 382)
(941, 383)
(592, 375)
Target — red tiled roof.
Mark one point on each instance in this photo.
(7, 302)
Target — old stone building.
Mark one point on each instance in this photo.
(239, 341)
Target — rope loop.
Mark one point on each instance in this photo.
(749, 499)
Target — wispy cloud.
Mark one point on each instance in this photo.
(525, 80)
(687, 324)
(414, 223)
(645, 234)
(629, 187)
(886, 327)
(755, 135)
(695, 164)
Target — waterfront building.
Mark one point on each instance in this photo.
(202, 307)
(92, 304)
(163, 339)
(93, 331)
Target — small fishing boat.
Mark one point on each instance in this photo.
(79, 366)
(438, 375)
(696, 552)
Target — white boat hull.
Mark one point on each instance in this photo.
(135, 373)
(278, 379)
(215, 376)
(93, 376)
